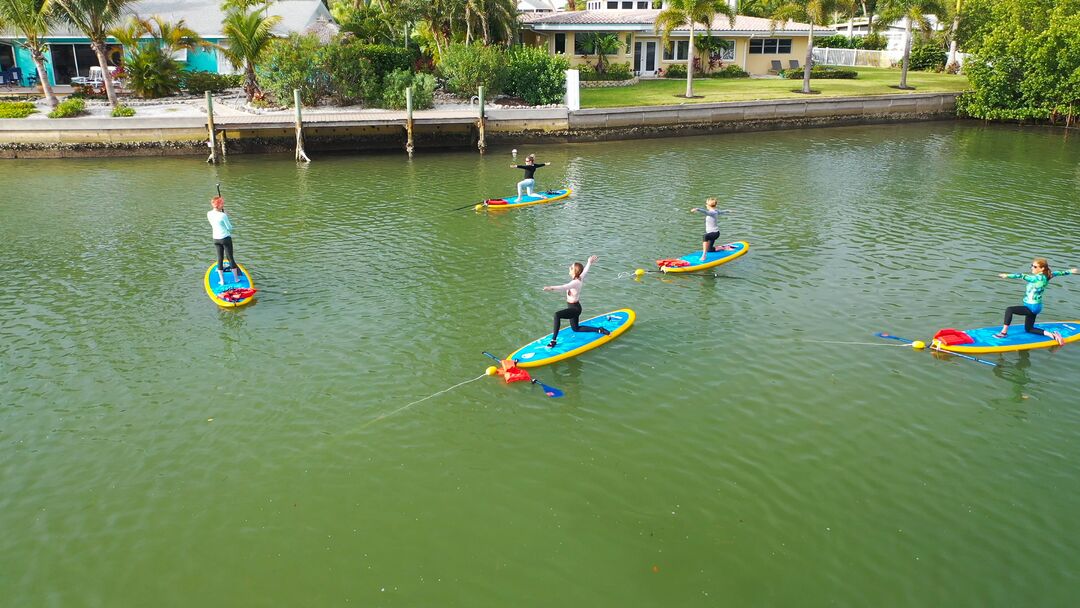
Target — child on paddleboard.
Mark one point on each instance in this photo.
(573, 301)
(712, 231)
(1036, 285)
(530, 168)
(222, 227)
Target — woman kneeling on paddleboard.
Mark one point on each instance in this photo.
(712, 231)
(223, 228)
(573, 303)
(1036, 284)
(530, 168)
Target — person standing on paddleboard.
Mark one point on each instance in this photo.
(222, 228)
(573, 301)
(712, 231)
(530, 168)
(1032, 306)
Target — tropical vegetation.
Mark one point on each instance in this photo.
(95, 18)
(812, 12)
(151, 44)
(32, 20)
(688, 14)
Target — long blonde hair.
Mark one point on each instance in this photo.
(1041, 262)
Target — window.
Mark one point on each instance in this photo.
(645, 4)
(613, 4)
(770, 46)
(628, 4)
(560, 44)
(629, 42)
(581, 44)
(678, 50)
(725, 50)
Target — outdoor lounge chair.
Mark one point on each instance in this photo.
(793, 64)
(777, 67)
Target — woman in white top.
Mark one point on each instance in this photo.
(573, 301)
(223, 228)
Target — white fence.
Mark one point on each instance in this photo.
(859, 57)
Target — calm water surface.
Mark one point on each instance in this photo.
(158, 451)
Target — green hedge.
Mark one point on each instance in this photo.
(467, 67)
(68, 108)
(731, 71)
(351, 75)
(675, 70)
(821, 73)
(122, 111)
(198, 82)
(535, 76)
(394, 90)
(871, 42)
(16, 109)
(927, 57)
(615, 71)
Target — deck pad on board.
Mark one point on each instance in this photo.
(572, 343)
(1018, 339)
(214, 286)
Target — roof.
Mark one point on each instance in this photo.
(205, 16)
(644, 20)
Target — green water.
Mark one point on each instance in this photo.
(158, 451)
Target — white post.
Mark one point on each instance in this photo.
(573, 90)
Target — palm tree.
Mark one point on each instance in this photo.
(683, 13)
(951, 63)
(813, 12)
(95, 18)
(249, 34)
(32, 19)
(911, 11)
(603, 45)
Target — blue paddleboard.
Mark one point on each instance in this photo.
(572, 343)
(214, 286)
(1018, 339)
(538, 198)
(712, 258)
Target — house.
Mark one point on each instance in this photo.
(751, 43)
(69, 54)
(894, 32)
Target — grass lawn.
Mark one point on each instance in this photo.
(871, 81)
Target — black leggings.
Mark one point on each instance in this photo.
(571, 312)
(1029, 318)
(224, 249)
(710, 238)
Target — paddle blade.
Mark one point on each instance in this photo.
(550, 391)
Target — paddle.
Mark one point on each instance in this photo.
(469, 206)
(219, 189)
(550, 391)
(882, 334)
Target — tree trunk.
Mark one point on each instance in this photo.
(907, 52)
(468, 26)
(103, 61)
(690, 64)
(43, 77)
(809, 60)
(952, 43)
(484, 24)
(251, 84)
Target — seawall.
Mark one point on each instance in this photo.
(385, 132)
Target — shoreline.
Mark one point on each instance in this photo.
(363, 132)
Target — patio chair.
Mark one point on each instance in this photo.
(777, 67)
(793, 64)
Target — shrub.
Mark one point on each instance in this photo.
(198, 82)
(152, 73)
(675, 70)
(351, 75)
(873, 42)
(731, 71)
(821, 72)
(16, 109)
(619, 71)
(870, 42)
(68, 108)
(535, 76)
(397, 81)
(292, 63)
(467, 67)
(383, 58)
(927, 57)
(122, 111)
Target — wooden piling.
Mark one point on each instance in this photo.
(301, 156)
(481, 144)
(212, 141)
(409, 121)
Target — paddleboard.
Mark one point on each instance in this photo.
(712, 258)
(1018, 339)
(214, 286)
(538, 198)
(572, 343)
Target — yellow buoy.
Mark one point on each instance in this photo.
(918, 345)
(478, 207)
(491, 371)
(639, 272)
